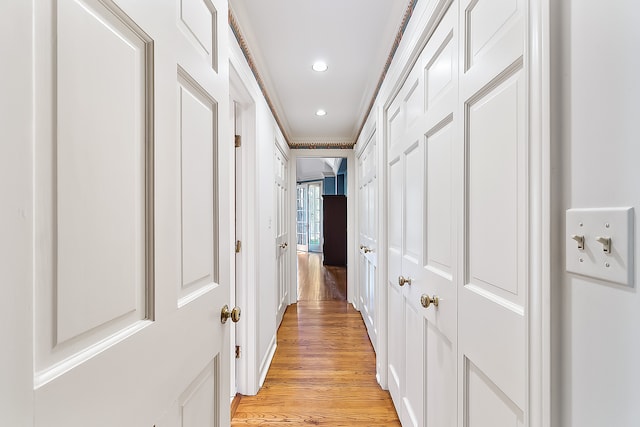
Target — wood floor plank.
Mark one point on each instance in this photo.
(323, 372)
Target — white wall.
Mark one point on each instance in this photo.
(16, 215)
(258, 230)
(595, 113)
(266, 256)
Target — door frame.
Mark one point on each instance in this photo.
(300, 247)
(245, 285)
(320, 247)
(306, 184)
(352, 289)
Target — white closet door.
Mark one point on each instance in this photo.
(423, 158)
(406, 184)
(493, 365)
(367, 238)
(282, 232)
(133, 254)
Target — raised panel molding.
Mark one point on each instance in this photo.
(416, 350)
(198, 21)
(439, 223)
(486, 404)
(395, 200)
(500, 324)
(484, 21)
(396, 125)
(369, 219)
(414, 102)
(439, 71)
(198, 403)
(413, 186)
(371, 286)
(197, 119)
(440, 366)
(495, 161)
(95, 269)
(396, 344)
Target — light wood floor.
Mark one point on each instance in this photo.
(323, 372)
(317, 282)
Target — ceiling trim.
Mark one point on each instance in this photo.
(235, 28)
(403, 26)
(312, 145)
(319, 143)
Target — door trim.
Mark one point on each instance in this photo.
(247, 329)
(352, 289)
(540, 352)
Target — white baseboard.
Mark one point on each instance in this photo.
(266, 362)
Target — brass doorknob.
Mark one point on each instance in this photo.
(426, 300)
(402, 280)
(234, 314)
(367, 250)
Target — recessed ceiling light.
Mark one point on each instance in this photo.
(320, 66)
(321, 113)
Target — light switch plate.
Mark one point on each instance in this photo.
(592, 261)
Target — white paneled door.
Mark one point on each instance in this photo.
(493, 362)
(132, 260)
(368, 238)
(458, 190)
(422, 234)
(282, 232)
(440, 224)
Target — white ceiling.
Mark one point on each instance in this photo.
(313, 168)
(284, 39)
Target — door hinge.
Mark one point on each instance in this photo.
(238, 141)
(238, 246)
(237, 352)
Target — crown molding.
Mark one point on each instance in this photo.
(403, 26)
(319, 143)
(235, 28)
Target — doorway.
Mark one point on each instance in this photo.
(309, 216)
(302, 225)
(242, 123)
(321, 227)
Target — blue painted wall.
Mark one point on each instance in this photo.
(342, 178)
(329, 186)
(332, 185)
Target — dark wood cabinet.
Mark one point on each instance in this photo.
(334, 228)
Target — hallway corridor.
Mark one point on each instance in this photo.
(323, 371)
